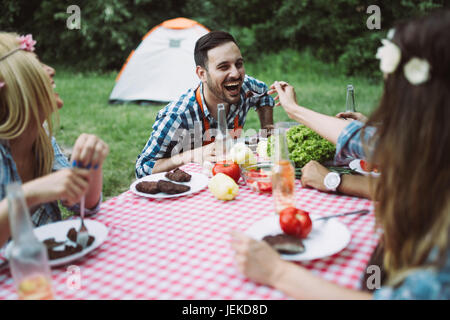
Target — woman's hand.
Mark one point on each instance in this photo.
(256, 259)
(89, 151)
(286, 97)
(68, 185)
(313, 174)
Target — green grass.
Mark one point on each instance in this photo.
(126, 128)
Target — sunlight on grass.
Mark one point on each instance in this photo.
(126, 128)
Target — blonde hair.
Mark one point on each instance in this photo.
(26, 100)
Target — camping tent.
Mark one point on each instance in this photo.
(162, 67)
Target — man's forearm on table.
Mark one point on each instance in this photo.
(177, 160)
(265, 114)
(354, 185)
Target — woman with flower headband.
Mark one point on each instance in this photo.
(28, 151)
(408, 137)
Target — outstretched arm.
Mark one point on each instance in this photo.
(326, 126)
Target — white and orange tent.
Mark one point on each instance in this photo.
(162, 67)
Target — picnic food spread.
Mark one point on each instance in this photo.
(242, 155)
(229, 168)
(295, 222)
(178, 175)
(284, 243)
(223, 187)
(68, 249)
(171, 188)
(154, 187)
(259, 177)
(148, 187)
(367, 166)
(305, 145)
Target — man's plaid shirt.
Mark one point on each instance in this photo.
(180, 117)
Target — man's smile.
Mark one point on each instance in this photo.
(233, 87)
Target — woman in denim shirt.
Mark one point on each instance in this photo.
(28, 154)
(408, 137)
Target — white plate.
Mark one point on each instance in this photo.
(198, 182)
(356, 165)
(326, 238)
(58, 230)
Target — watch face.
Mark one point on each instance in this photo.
(332, 180)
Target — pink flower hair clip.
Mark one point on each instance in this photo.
(27, 43)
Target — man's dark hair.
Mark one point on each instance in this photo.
(207, 42)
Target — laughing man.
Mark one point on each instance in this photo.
(220, 68)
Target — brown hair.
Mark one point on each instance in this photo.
(207, 42)
(413, 151)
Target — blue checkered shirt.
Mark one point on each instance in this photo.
(351, 143)
(47, 212)
(185, 115)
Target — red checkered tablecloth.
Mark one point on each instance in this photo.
(179, 248)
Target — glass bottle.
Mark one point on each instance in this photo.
(222, 139)
(283, 172)
(350, 104)
(28, 256)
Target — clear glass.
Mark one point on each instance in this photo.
(222, 139)
(28, 256)
(283, 171)
(350, 104)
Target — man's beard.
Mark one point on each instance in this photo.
(219, 92)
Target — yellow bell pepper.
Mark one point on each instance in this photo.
(223, 187)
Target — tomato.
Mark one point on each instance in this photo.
(229, 168)
(364, 165)
(368, 167)
(295, 222)
(265, 186)
(252, 174)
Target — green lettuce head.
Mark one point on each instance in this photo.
(305, 145)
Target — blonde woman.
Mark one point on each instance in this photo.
(409, 138)
(28, 151)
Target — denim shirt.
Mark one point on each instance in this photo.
(46, 212)
(351, 141)
(421, 284)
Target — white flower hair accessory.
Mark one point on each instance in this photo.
(390, 34)
(417, 71)
(389, 55)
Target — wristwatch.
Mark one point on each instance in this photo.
(332, 181)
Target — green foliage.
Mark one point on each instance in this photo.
(335, 31)
(305, 145)
(110, 29)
